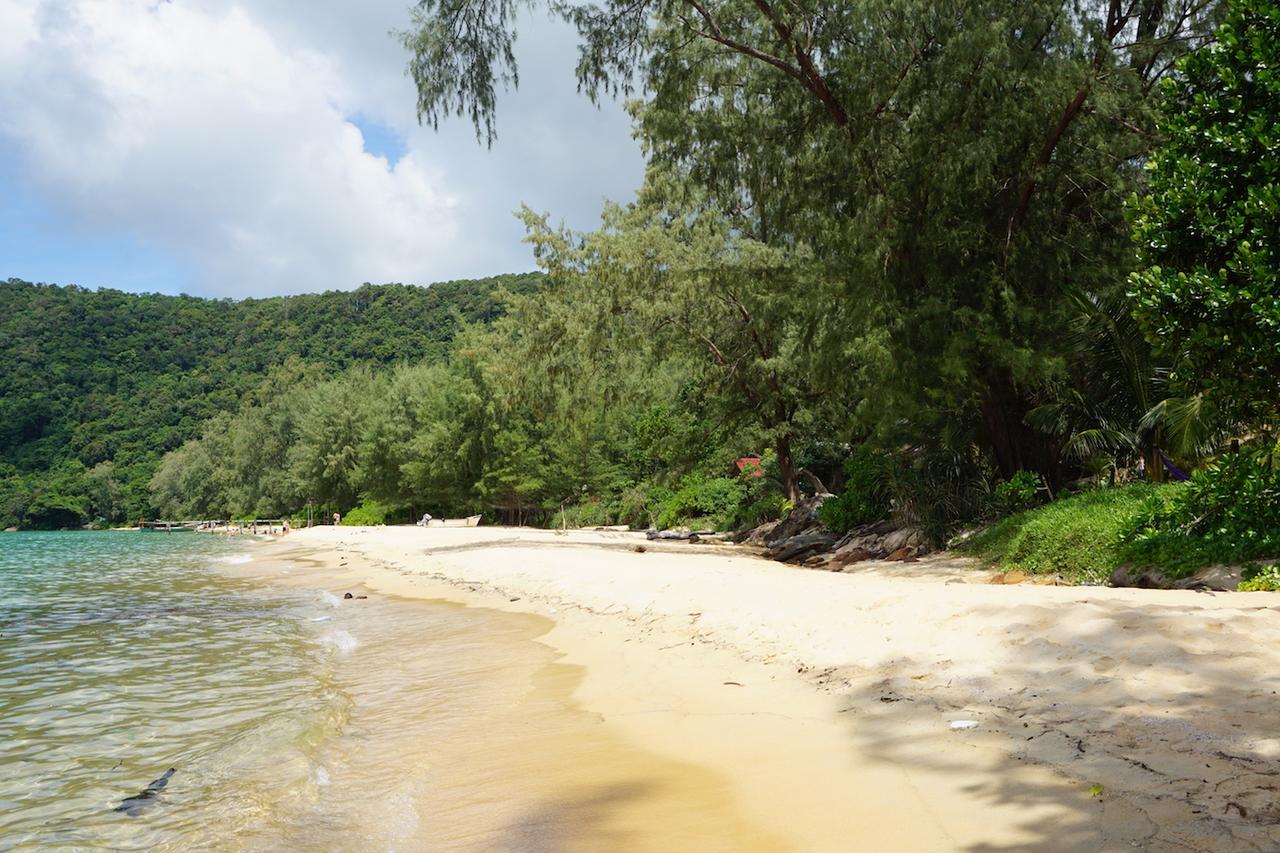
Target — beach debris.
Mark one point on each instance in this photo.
(962, 725)
(732, 683)
(639, 549)
(140, 802)
(347, 596)
(1095, 790)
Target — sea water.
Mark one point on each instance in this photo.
(295, 718)
(123, 654)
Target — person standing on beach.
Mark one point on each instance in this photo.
(337, 517)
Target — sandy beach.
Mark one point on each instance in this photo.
(837, 708)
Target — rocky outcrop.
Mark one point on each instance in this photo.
(802, 539)
(1214, 578)
(802, 519)
(797, 548)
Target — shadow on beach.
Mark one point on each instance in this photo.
(1166, 706)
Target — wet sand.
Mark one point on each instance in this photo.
(820, 705)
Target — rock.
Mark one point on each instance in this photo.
(1219, 578)
(758, 535)
(803, 516)
(800, 546)
(906, 537)
(1010, 577)
(900, 555)
(676, 535)
(347, 596)
(1215, 578)
(848, 555)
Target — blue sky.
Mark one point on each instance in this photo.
(38, 244)
(247, 148)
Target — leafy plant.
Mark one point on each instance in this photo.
(1079, 536)
(1261, 579)
(368, 514)
(710, 501)
(866, 494)
(1229, 512)
(1017, 494)
(1208, 293)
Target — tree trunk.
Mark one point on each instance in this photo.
(1002, 433)
(787, 469)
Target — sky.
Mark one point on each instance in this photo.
(269, 146)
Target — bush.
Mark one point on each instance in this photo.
(940, 490)
(1228, 513)
(710, 501)
(1261, 579)
(589, 513)
(866, 496)
(1019, 493)
(1080, 536)
(368, 514)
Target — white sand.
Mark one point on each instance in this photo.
(827, 699)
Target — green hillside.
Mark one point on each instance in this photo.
(95, 386)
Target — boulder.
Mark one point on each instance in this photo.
(758, 535)
(803, 516)
(901, 555)
(906, 537)
(850, 554)
(797, 547)
(1214, 578)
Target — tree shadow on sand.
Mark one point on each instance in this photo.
(1168, 705)
(577, 822)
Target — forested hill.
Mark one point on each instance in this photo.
(96, 385)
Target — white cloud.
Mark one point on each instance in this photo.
(218, 132)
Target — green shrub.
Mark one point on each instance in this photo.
(1261, 579)
(1228, 513)
(707, 501)
(589, 513)
(367, 514)
(866, 495)
(1019, 493)
(1079, 536)
(941, 490)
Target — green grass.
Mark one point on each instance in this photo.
(1077, 537)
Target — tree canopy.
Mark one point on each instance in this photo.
(1208, 231)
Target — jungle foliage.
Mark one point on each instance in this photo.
(952, 259)
(96, 385)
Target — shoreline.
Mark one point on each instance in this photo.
(827, 699)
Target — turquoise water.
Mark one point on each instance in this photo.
(124, 654)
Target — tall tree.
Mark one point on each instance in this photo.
(953, 166)
(666, 275)
(1208, 233)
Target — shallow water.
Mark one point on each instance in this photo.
(297, 719)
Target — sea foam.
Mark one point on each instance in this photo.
(339, 640)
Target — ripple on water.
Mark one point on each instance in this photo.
(123, 654)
